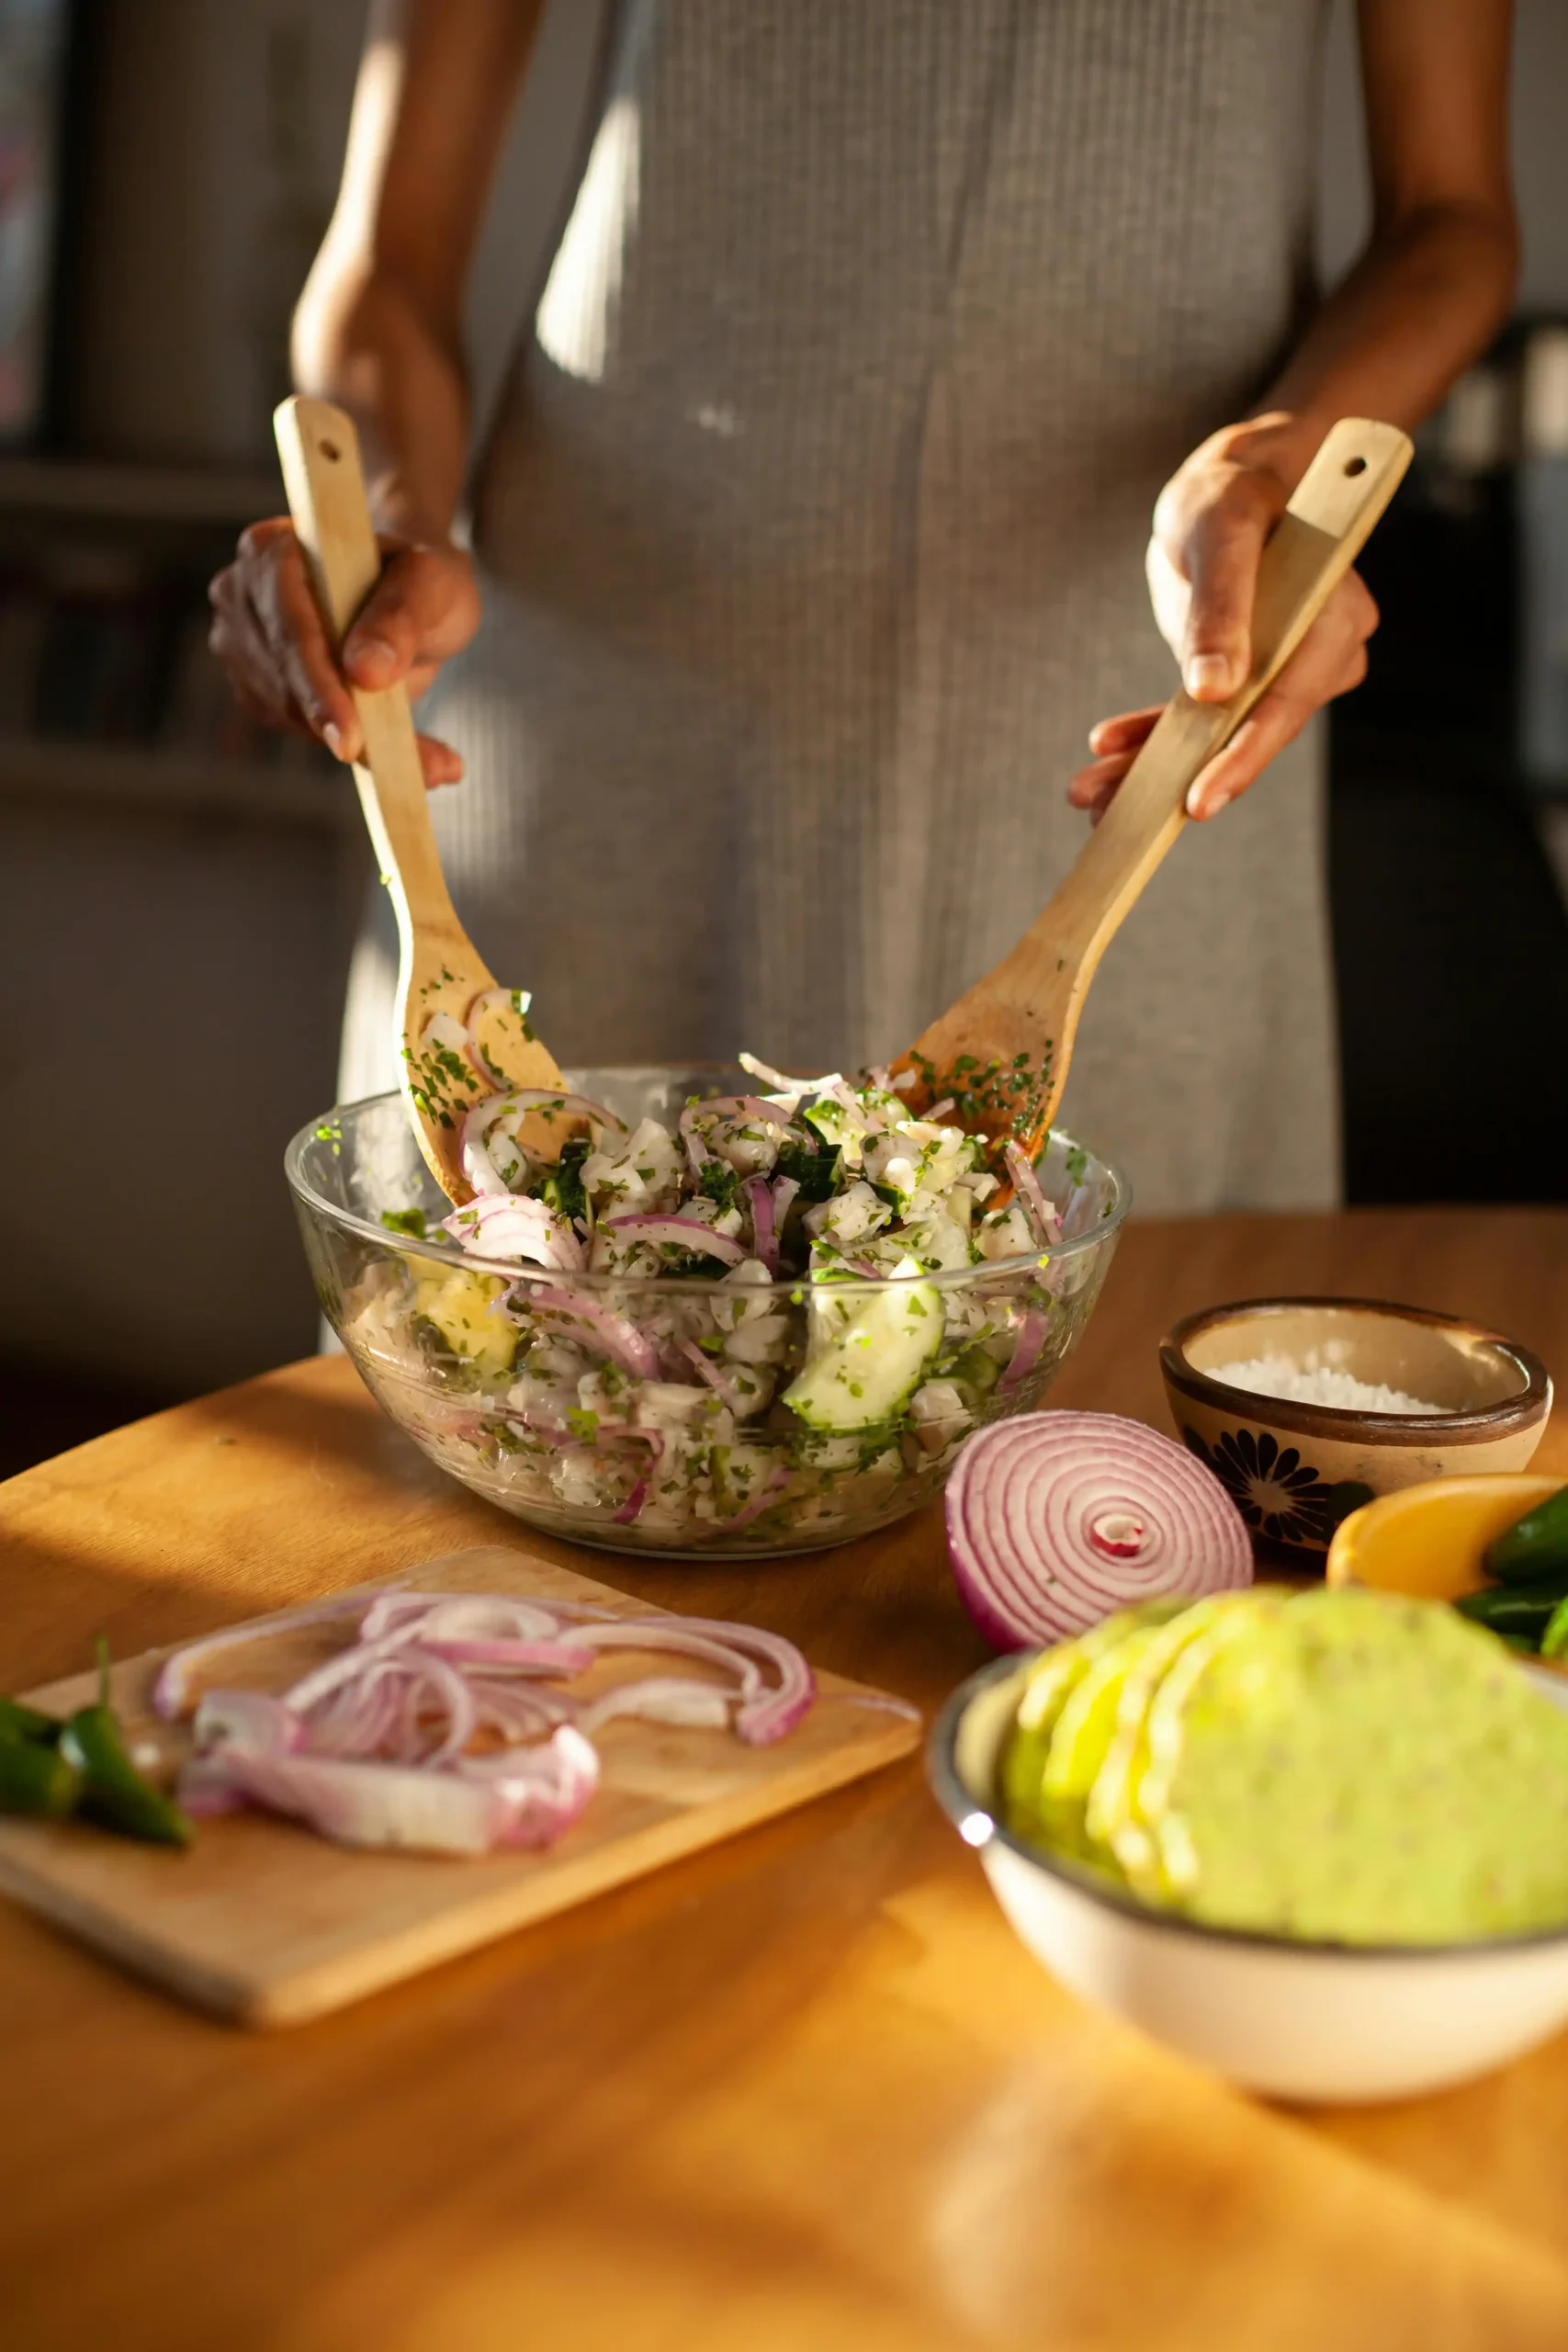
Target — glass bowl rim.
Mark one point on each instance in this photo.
(681, 1285)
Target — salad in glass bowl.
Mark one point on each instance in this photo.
(715, 1321)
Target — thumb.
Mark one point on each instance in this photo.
(417, 610)
(1222, 551)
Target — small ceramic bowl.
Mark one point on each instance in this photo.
(1297, 1470)
(1313, 2021)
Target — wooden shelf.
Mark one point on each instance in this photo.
(137, 494)
(178, 783)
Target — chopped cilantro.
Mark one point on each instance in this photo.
(409, 1221)
(562, 1187)
(719, 1182)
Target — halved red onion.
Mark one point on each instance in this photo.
(1055, 1519)
(677, 1233)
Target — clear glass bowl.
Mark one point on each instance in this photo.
(638, 1467)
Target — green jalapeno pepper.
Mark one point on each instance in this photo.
(36, 1778)
(1523, 1611)
(114, 1793)
(1535, 1547)
(18, 1721)
(1554, 1641)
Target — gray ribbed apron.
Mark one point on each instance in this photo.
(813, 525)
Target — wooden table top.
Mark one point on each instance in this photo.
(806, 2090)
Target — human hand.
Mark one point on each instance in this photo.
(1209, 527)
(267, 633)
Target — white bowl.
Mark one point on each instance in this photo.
(1312, 2022)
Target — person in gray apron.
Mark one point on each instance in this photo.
(810, 535)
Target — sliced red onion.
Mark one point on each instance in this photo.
(516, 1001)
(680, 1233)
(764, 1240)
(449, 1688)
(513, 1225)
(631, 1509)
(545, 1789)
(373, 1747)
(347, 1665)
(1039, 1513)
(363, 1716)
(474, 1150)
(444, 1616)
(661, 1699)
(356, 1804)
(727, 1106)
(549, 1100)
(706, 1370)
(518, 1710)
(172, 1690)
(255, 1717)
(782, 1084)
(765, 1715)
(609, 1334)
(1026, 1349)
(505, 1657)
(766, 1494)
(1043, 1218)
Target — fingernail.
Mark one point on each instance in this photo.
(332, 735)
(1208, 674)
(376, 651)
(1201, 803)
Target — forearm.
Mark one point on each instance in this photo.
(359, 340)
(1426, 297)
(379, 325)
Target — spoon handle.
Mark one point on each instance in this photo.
(1318, 538)
(325, 481)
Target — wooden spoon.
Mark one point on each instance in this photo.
(439, 968)
(1002, 1051)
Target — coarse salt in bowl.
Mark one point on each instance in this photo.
(1305, 1408)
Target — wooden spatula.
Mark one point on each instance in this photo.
(1002, 1051)
(440, 970)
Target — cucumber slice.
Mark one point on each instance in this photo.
(872, 1363)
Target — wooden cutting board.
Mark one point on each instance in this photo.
(264, 1922)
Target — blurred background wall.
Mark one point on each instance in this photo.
(169, 876)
